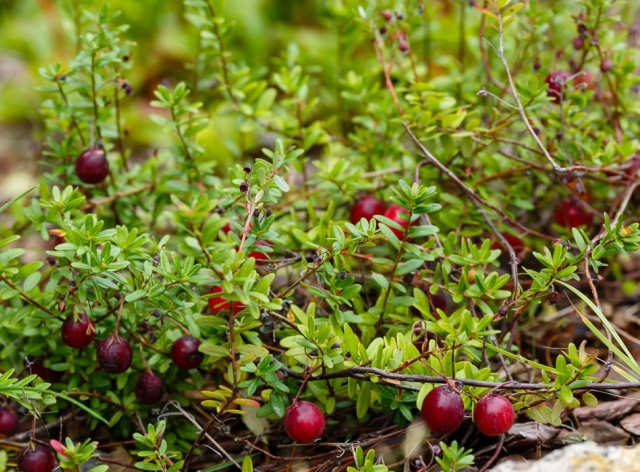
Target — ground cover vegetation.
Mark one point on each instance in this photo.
(375, 238)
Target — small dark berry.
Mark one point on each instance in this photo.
(399, 215)
(185, 354)
(8, 421)
(92, 166)
(220, 303)
(606, 65)
(366, 207)
(149, 387)
(78, 332)
(304, 422)
(443, 410)
(570, 214)
(114, 354)
(36, 458)
(578, 43)
(244, 186)
(494, 415)
(556, 83)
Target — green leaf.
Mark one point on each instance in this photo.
(15, 199)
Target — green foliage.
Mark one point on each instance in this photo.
(153, 450)
(234, 168)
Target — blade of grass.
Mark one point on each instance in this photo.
(84, 407)
(605, 322)
(15, 199)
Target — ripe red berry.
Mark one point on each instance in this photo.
(578, 43)
(260, 256)
(114, 354)
(366, 207)
(185, 354)
(149, 387)
(438, 301)
(583, 81)
(494, 415)
(606, 65)
(78, 333)
(443, 410)
(569, 213)
(399, 215)
(36, 458)
(556, 82)
(92, 166)
(304, 422)
(218, 304)
(516, 243)
(46, 374)
(8, 421)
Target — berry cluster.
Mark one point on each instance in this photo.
(443, 412)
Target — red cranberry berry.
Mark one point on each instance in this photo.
(366, 207)
(36, 458)
(399, 215)
(114, 354)
(583, 81)
(8, 421)
(149, 387)
(556, 82)
(78, 333)
(218, 304)
(516, 243)
(260, 256)
(185, 354)
(443, 410)
(606, 65)
(438, 301)
(494, 415)
(46, 374)
(569, 213)
(92, 166)
(578, 43)
(304, 422)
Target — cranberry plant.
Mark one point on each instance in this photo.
(343, 250)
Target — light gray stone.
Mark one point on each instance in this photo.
(582, 457)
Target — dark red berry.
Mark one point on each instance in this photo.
(366, 207)
(8, 421)
(92, 166)
(185, 354)
(226, 228)
(387, 15)
(578, 43)
(218, 304)
(114, 354)
(149, 387)
(46, 374)
(78, 333)
(606, 65)
(399, 215)
(304, 422)
(36, 458)
(443, 410)
(438, 301)
(569, 213)
(582, 81)
(556, 82)
(516, 243)
(494, 415)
